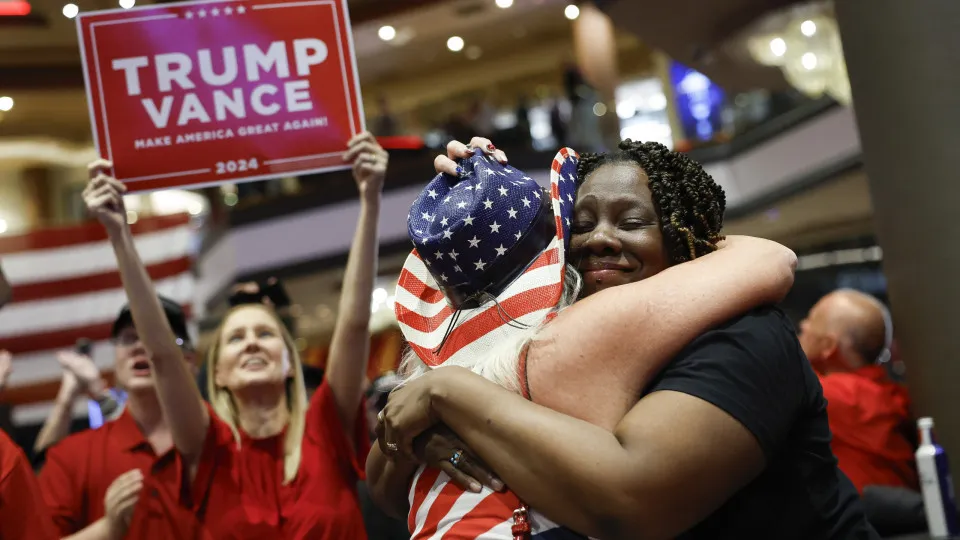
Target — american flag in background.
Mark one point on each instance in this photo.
(66, 287)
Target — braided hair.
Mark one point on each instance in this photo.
(687, 199)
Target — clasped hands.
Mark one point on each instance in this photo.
(408, 429)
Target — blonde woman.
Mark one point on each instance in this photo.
(266, 463)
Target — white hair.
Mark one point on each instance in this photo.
(501, 364)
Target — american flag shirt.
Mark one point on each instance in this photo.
(440, 510)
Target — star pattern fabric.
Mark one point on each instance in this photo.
(460, 226)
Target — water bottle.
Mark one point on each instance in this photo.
(936, 484)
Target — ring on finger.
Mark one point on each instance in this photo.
(392, 446)
(456, 458)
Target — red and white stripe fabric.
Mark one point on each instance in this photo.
(439, 510)
(424, 315)
(66, 287)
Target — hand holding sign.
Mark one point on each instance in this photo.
(369, 163)
(103, 197)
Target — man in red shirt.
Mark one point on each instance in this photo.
(123, 479)
(847, 337)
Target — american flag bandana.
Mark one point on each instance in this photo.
(488, 255)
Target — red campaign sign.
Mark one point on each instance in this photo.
(199, 93)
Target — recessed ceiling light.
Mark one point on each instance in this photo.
(504, 4)
(387, 32)
(70, 11)
(571, 12)
(6, 103)
(473, 52)
(455, 43)
(127, 4)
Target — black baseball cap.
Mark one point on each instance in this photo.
(175, 316)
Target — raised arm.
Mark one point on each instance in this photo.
(177, 392)
(350, 344)
(641, 326)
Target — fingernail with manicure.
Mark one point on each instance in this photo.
(475, 487)
(491, 147)
(496, 484)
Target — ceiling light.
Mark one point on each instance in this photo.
(70, 11)
(809, 60)
(778, 46)
(474, 52)
(6, 103)
(657, 102)
(504, 4)
(387, 32)
(571, 12)
(808, 28)
(127, 4)
(599, 109)
(455, 43)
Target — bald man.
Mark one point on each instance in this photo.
(844, 336)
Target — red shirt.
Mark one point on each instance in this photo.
(868, 417)
(80, 468)
(246, 497)
(23, 514)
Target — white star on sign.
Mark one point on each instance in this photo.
(569, 197)
(214, 12)
(432, 194)
(443, 277)
(457, 268)
(495, 227)
(503, 191)
(447, 234)
(445, 201)
(512, 213)
(487, 204)
(453, 254)
(474, 242)
(461, 205)
(426, 241)
(425, 215)
(573, 178)
(228, 10)
(443, 222)
(189, 15)
(568, 221)
(526, 202)
(438, 255)
(202, 13)
(536, 194)
(518, 235)
(241, 10)
(479, 264)
(468, 220)
(501, 250)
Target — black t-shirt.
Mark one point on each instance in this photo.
(754, 369)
